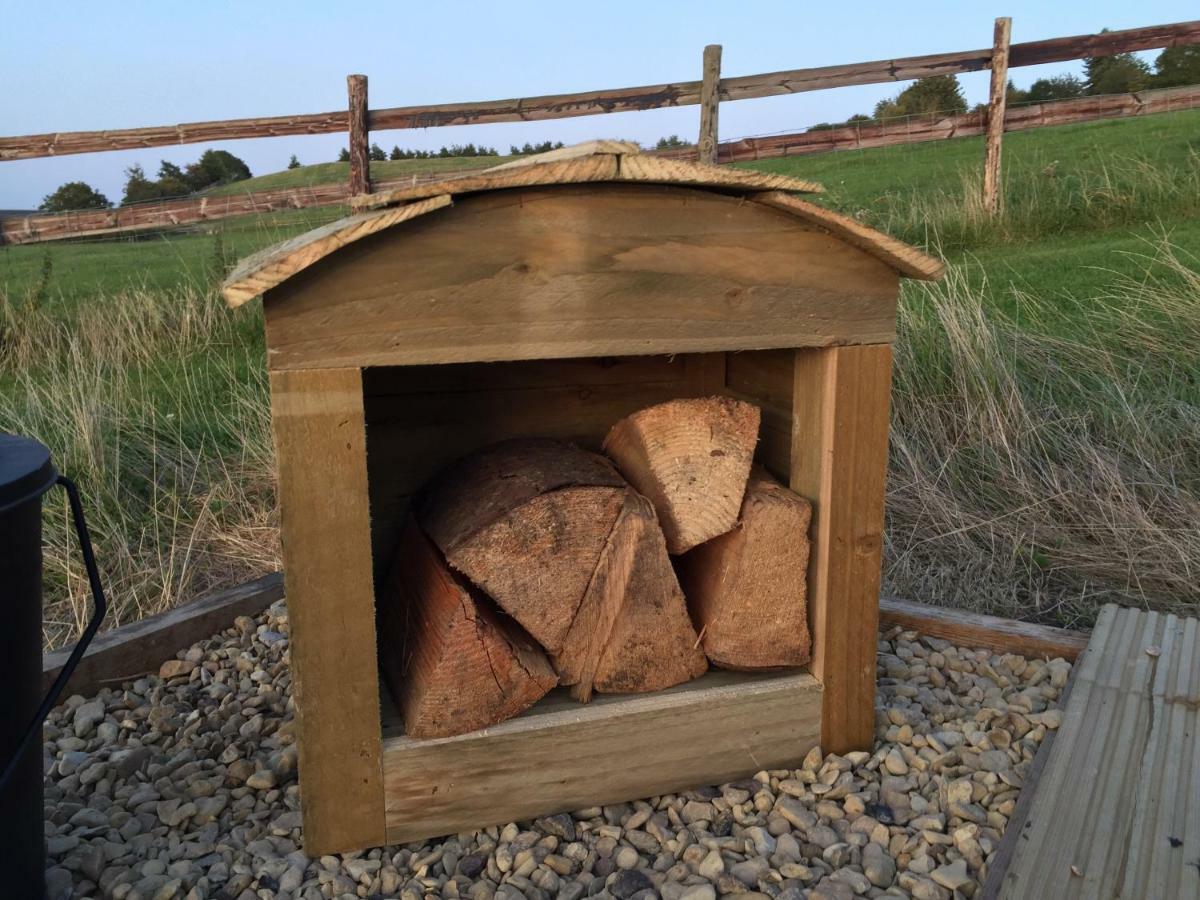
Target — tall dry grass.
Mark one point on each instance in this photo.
(1032, 475)
(156, 404)
(1038, 476)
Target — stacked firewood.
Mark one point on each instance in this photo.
(533, 563)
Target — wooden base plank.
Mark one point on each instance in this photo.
(561, 755)
(968, 629)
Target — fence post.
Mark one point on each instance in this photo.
(710, 97)
(997, 100)
(360, 163)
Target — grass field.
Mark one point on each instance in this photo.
(1046, 424)
(326, 173)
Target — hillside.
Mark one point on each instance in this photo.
(1045, 450)
(331, 172)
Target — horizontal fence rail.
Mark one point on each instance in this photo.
(560, 106)
(160, 214)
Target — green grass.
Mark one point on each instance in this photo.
(1046, 420)
(328, 173)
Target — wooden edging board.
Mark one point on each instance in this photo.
(137, 648)
(140, 647)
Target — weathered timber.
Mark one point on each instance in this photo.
(691, 458)
(138, 648)
(968, 629)
(840, 403)
(702, 271)
(317, 420)
(525, 521)
(454, 664)
(746, 588)
(709, 104)
(560, 106)
(360, 161)
(561, 755)
(992, 194)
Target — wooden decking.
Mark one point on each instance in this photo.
(1116, 810)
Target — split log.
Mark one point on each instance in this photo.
(631, 633)
(526, 521)
(453, 662)
(746, 589)
(691, 458)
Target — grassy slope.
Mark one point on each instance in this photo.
(326, 173)
(1045, 438)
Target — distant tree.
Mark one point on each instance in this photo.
(856, 119)
(1014, 95)
(172, 181)
(376, 153)
(343, 155)
(396, 153)
(138, 187)
(935, 94)
(673, 142)
(293, 163)
(1119, 74)
(1177, 66)
(215, 167)
(74, 195)
(1060, 87)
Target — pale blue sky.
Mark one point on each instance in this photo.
(71, 66)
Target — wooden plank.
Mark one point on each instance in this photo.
(262, 271)
(360, 161)
(572, 168)
(710, 86)
(903, 258)
(563, 755)
(140, 647)
(320, 451)
(549, 273)
(1017, 821)
(997, 98)
(561, 106)
(968, 629)
(1102, 743)
(839, 462)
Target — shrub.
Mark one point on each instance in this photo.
(74, 195)
(936, 94)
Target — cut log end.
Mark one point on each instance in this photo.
(691, 458)
(453, 662)
(747, 590)
(632, 633)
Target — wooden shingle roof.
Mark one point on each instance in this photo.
(592, 162)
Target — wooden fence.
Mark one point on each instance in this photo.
(159, 214)
(710, 91)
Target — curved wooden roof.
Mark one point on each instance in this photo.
(596, 161)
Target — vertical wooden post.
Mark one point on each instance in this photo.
(840, 405)
(320, 449)
(360, 162)
(710, 98)
(997, 100)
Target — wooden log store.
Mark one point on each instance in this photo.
(550, 298)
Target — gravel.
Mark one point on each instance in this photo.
(184, 785)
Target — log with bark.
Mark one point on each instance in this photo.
(746, 588)
(454, 662)
(691, 458)
(561, 542)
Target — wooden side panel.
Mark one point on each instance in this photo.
(577, 271)
(421, 418)
(839, 462)
(563, 755)
(320, 448)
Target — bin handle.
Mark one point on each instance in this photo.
(100, 607)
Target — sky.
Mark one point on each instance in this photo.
(71, 65)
